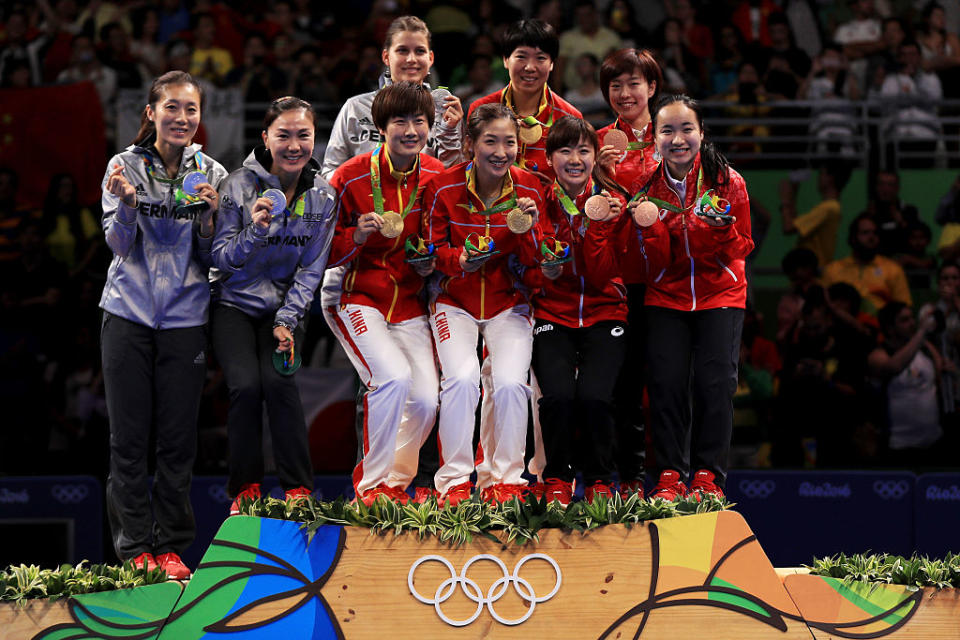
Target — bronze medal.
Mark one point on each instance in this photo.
(518, 221)
(646, 213)
(392, 224)
(531, 135)
(597, 207)
(616, 139)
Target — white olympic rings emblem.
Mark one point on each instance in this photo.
(472, 590)
(70, 493)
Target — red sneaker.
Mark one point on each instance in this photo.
(559, 490)
(144, 561)
(247, 492)
(422, 494)
(669, 487)
(702, 483)
(173, 565)
(457, 494)
(598, 488)
(500, 493)
(397, 494)
(370, 496)
(627, 489)
(298, 494)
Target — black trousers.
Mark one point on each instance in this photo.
(244, 346)
(151, 377)
(576, 370)
(692, 358)
(630, 451)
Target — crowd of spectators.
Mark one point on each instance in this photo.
(834, 341)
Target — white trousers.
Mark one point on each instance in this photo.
(509, 338)
(396, 363)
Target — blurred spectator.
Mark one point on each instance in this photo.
(878, 279)
(72, 232)
(19, 47)
(309, 80)
(940, 48)
(116, 55)
(696, 37)
(209, 61)
(174, 20)
(179, 56)
(59, 27)
(589, 36)
(483, 45)
(860, 38)
(622, 20)
(587, 97)
(678, 63)
(823, 359)
(726, 62)
(817, 228)
(891, 214)
(833, 89)
(948, 215)
(145, 47)
(759, 364)
(746, 98)
(450, 26)
(753, 19)
(947, 338)
(480, 81)
(915, 93)
(802, 270)
(909, 366)
(86, 67)
(11, 216)
(917, 263)
(782, 44)
(257, 79)
(779, 81)
(283, 55)
(17, 75)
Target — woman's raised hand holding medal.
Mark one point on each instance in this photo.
(367, 224)
(261, 213)
(119, 186)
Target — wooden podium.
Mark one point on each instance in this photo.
(699, 576)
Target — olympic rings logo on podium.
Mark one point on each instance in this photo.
(474, 593)
(70, 493)
(758, 488)
(891, 489)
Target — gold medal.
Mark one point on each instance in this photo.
(597, 207)
(646, 213)
(531, 135)
(518, 221)
(616, 139)
(392, 224)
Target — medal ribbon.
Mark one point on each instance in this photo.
(178, 193)
(298, 206)
(569, 206)
(500, 208)
(666, 205)
(378, 191)
(633, 146)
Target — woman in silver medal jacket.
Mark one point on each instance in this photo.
(273, 236)
(159, 201)
(408, 57)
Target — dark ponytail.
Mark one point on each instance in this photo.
(147, 128)
(567, 132)
(716, 168)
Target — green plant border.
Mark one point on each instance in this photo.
(516, 521)
(20, 583)
(915, 571)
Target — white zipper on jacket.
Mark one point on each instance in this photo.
(686, 244)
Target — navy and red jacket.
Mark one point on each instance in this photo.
(452, 212)
(375, 274)
(534, 156)
(632, 173)
(590, 288)
(693, 266)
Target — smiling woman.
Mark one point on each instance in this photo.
(159, 198)
(273, 237)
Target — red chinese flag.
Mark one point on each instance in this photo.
(49, 130)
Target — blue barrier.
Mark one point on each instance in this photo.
(70, 508)
(937, 517)
(801, 514)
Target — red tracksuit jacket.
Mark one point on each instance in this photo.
(590, 288)
(378, 276)
(693, 266)
(452, 211)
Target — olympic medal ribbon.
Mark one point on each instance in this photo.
(378, 189)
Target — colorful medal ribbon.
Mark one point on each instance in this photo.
(179, 196)
(378, 191)
(633, 146)
(500, 208)
(666, 205)
(568, 204)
